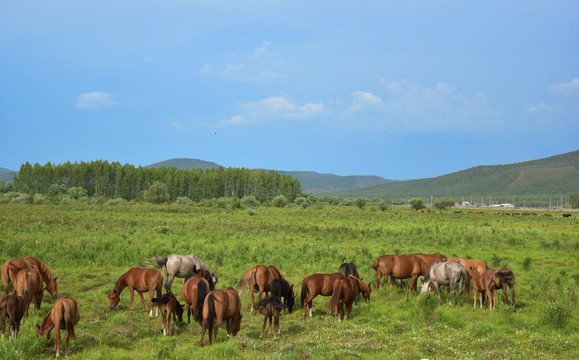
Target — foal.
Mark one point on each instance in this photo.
(12, 306)
(169, 306)
(64, 314)
(270, 307)
(282, 288)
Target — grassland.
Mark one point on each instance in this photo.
(88, 247)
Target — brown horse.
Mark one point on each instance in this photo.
(477, 286)
(314, 285)
(64, 315)
(11, 267)
(28, 284)
(12, 306)
(207, 275)
(258, 279)
(169, 306)
(141, 280)
(194, 292)
(490, 287)
(221, 305)
(270, 307)
(346, 289)
(502, 278)
(471, 264)
(399, 267)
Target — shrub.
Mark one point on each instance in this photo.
(527, 263)
(76, 192)
(116, 201)
(184, 200)
(443, 204)
(428, 303)
(157, 193)
(249, 200)
(279, 201)
(384, 204)
(250, 211)
(417, 204)
(361, 202)
(302, 202)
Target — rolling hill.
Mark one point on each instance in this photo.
(312, 182)
(6, 175)
(552, 175)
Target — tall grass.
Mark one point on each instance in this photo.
(89, 246)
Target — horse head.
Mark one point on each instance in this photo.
(425, 285)
(114, 299)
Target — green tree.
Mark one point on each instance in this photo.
(443, 204)
(574, 200)
(361, 202)
(157, 193)
(384, 204)
(417, 203)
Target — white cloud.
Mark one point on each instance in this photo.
(95, 100)
(274, 108)
(206, 70)
(363, 100)
(261, 51)
(540, 107)
(567, 89)
(408, 105)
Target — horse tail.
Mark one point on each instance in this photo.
(507, 275)
(68, 322)
(244, 281)
(159, 286)
(201, 294)
(305, 291)
(466, 277)
(336, 297)
(211, 315)
(376, 263)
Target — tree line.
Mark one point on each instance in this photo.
(113, 180)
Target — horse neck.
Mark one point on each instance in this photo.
(47, 324)
(121, 284)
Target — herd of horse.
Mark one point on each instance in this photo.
(211, 307)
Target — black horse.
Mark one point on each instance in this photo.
(282, 288)
(348, 269)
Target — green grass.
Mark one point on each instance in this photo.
(89, 247)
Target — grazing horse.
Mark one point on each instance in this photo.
(446, 273)
(471, 264)
(314, 285)
(194, 292)
(13, 266)
(207, 275)
(344, 293)
(348, 269)
(282, 288)
(141, 280)
(12, 306)
(221, 305)
(258, 278)
(399, 267)
(270, 307)
(502, 278)
(64, 315)
(182, 266)
(169, 306)
(477, 287)
(490, 288)
(28, 284)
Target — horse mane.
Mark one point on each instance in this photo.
(118, 288)
(45, 320)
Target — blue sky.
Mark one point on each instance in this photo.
(398, 89)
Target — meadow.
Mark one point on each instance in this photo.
(88, 247)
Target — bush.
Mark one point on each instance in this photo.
(428, 303)
(158, 193)
(527, 263)
(76, 193)
(250, 212)
(184, 200)
(116, 201)
(384, 204)
(443, 204)
(361, 202)
(417, 204)
(249, 200)
(279, 201)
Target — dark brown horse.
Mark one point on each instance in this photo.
(194, 292)
(270, 307)
(170, 307)
(141, 280)
(314, 285)
(28, 284)
(283, 289)
(348, 269)
(207, 275)
(13, 307)
(399, 267)
(258, 279)
(221, 305)
(346, 289)
(64, 315)
(502, 279)
(13, 266)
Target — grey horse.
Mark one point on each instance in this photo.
(181, 266)
(446, 273)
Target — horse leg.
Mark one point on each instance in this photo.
(263, 327)
(276, 327)
(169, 282)
(218, 322)
(414, 285)
(505, 297)
(144, 303)
(512, 288)
(452, 291)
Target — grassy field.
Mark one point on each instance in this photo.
(88, 247)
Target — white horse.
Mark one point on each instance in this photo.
(446, 273)
(181, 266)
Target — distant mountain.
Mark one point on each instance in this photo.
(312, 182)
(7, 175)
(316, 183)
(553, 175)
(182, 163)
